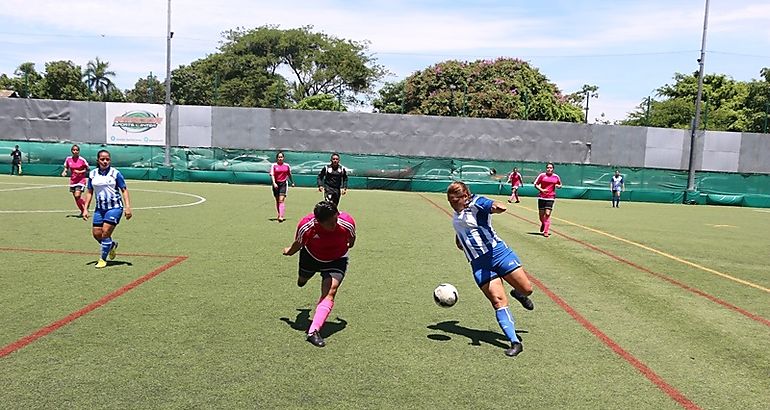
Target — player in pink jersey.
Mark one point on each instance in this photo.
(547, 183)
(77, 167)
(514, 178)
(280, 173)
(323, 239)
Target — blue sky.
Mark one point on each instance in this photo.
(627, 48)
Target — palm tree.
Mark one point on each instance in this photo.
(97, 78)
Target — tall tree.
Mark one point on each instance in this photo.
(757, 106)
(62, 81)
(250, 66)
(723, 104)
(97, 78)
(26, 80)
(147, 90)
(391, 98)
(503, 88)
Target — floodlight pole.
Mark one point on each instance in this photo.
(699, 96)
(169, 34)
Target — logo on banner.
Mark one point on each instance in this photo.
(137, 121)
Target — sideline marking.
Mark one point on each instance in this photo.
(666, 278)
(199, 201)
(661, 253)
(647, 372)
(46, 330)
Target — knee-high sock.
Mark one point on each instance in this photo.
(547, 224)
(505, 320)
(106, 246)
(516, 194)
(321, 313)
(281, 209)
(80, 203)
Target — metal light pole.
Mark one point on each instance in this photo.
(588, 95)
(696, 120)
(169, 34)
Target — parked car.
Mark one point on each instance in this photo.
(473, 173)
(313, 167)
(243, 163)
(436, 173)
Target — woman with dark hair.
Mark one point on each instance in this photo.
(77, 167)
(492, 261)
(280, 174)
(546, 183)
(107, 185)
(323, 239)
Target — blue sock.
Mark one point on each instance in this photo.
(106, 246)
(505, 320)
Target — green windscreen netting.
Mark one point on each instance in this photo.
(400, 172)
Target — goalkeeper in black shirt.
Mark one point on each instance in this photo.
(333, 180)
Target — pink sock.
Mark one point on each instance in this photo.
(516, 194)
(547, 224)
(281, 209)
(80, 202)
(321, 313)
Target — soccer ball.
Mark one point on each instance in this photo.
(445, 295)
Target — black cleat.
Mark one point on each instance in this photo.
(542, 227)
(515, 349)
(315, 339)
(525, 301)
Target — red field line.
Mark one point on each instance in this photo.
(26, 340)
(666, 278)
(670, 390)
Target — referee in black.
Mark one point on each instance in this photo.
(333, 180)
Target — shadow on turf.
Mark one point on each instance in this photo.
(113, 263)
(476, 336)
(302, 323)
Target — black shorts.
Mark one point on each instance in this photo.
(283, 187)
(332, 194)
(543, 203)
(309, 266)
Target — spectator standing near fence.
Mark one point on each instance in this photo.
(333, 180)
(16, 161)
(617, 185)
(280, 173)
(546, 183)
(77, 167)
(514, 178)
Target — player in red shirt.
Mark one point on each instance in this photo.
(547, 183)
(323, 239)
(280, 173)
(77, 167)
(514, 178)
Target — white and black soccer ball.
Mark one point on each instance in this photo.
(445, 295)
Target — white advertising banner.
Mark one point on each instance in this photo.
(136, 124)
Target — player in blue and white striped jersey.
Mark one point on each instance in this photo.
(492, 261)
(107, 185)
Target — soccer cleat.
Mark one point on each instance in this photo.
(525, 301)
(509, 201)
(113, 250)
(517, 201)
(546, 234)
(315, 339)
(101, 263)
(515, 349)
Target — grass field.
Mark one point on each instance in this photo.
(648, 306)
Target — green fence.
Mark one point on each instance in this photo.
(400, 172)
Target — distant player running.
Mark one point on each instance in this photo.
(280, 173)
(323, 239)
(77, 167)
(547, 183)
(514, 178)
(492, 261)
(108, 186)
(617, 185)
(333, 180)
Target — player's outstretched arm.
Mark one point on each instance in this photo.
(291, 250)
(498, 208)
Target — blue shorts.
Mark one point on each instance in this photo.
(107, 216)
(496, 264)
